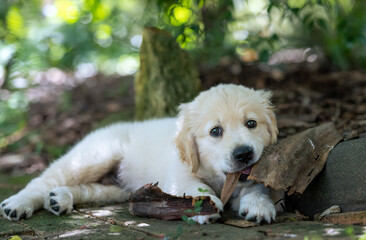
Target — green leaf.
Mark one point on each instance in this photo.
(115, 228)
(198, 209)
(202, 190)
(185, 218)
(16, 237)
(350, 231)
(198, 203)
(15, 22)
(190, 221)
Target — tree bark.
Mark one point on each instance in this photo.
(294, 162)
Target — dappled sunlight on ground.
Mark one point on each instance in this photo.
(332, 231)
(75, 233)
(103, 213)
(143, 225)
(134, 223)
(130, 223)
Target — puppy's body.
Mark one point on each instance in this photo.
(213, 135)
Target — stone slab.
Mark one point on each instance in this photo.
(342, 182)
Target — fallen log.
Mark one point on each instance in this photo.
(151, 201)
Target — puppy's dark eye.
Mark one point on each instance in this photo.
(216, 132)
(251, 124)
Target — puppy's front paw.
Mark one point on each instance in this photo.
(257, 207)
(205, 219)
(16, 208)
(218, 203)
(59, 201)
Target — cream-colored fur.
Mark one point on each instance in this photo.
(179, 153)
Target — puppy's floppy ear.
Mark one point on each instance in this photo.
(271, 117)
(272, 124)
(185, 139)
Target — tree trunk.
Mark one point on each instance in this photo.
(167, 76)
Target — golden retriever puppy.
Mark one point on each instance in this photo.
(222, 130)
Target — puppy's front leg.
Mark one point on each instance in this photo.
(255, 203)
(87, 162)
(61, 199)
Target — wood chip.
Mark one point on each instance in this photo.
(241, 223)
(331, 210)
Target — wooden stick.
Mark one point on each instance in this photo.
(229, 186)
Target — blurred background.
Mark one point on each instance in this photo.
(67, 66)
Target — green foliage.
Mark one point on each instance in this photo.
(199, 26)
(70, 32)
(337, 27)
(12, 118)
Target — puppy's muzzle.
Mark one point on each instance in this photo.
(243, 154)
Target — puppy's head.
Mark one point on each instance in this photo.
(225, 128)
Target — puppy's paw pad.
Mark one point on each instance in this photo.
(59, 201)
(53, 202)
(16, 208)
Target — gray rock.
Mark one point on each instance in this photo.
(342, 182)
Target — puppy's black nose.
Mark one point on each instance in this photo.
(243, 154)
